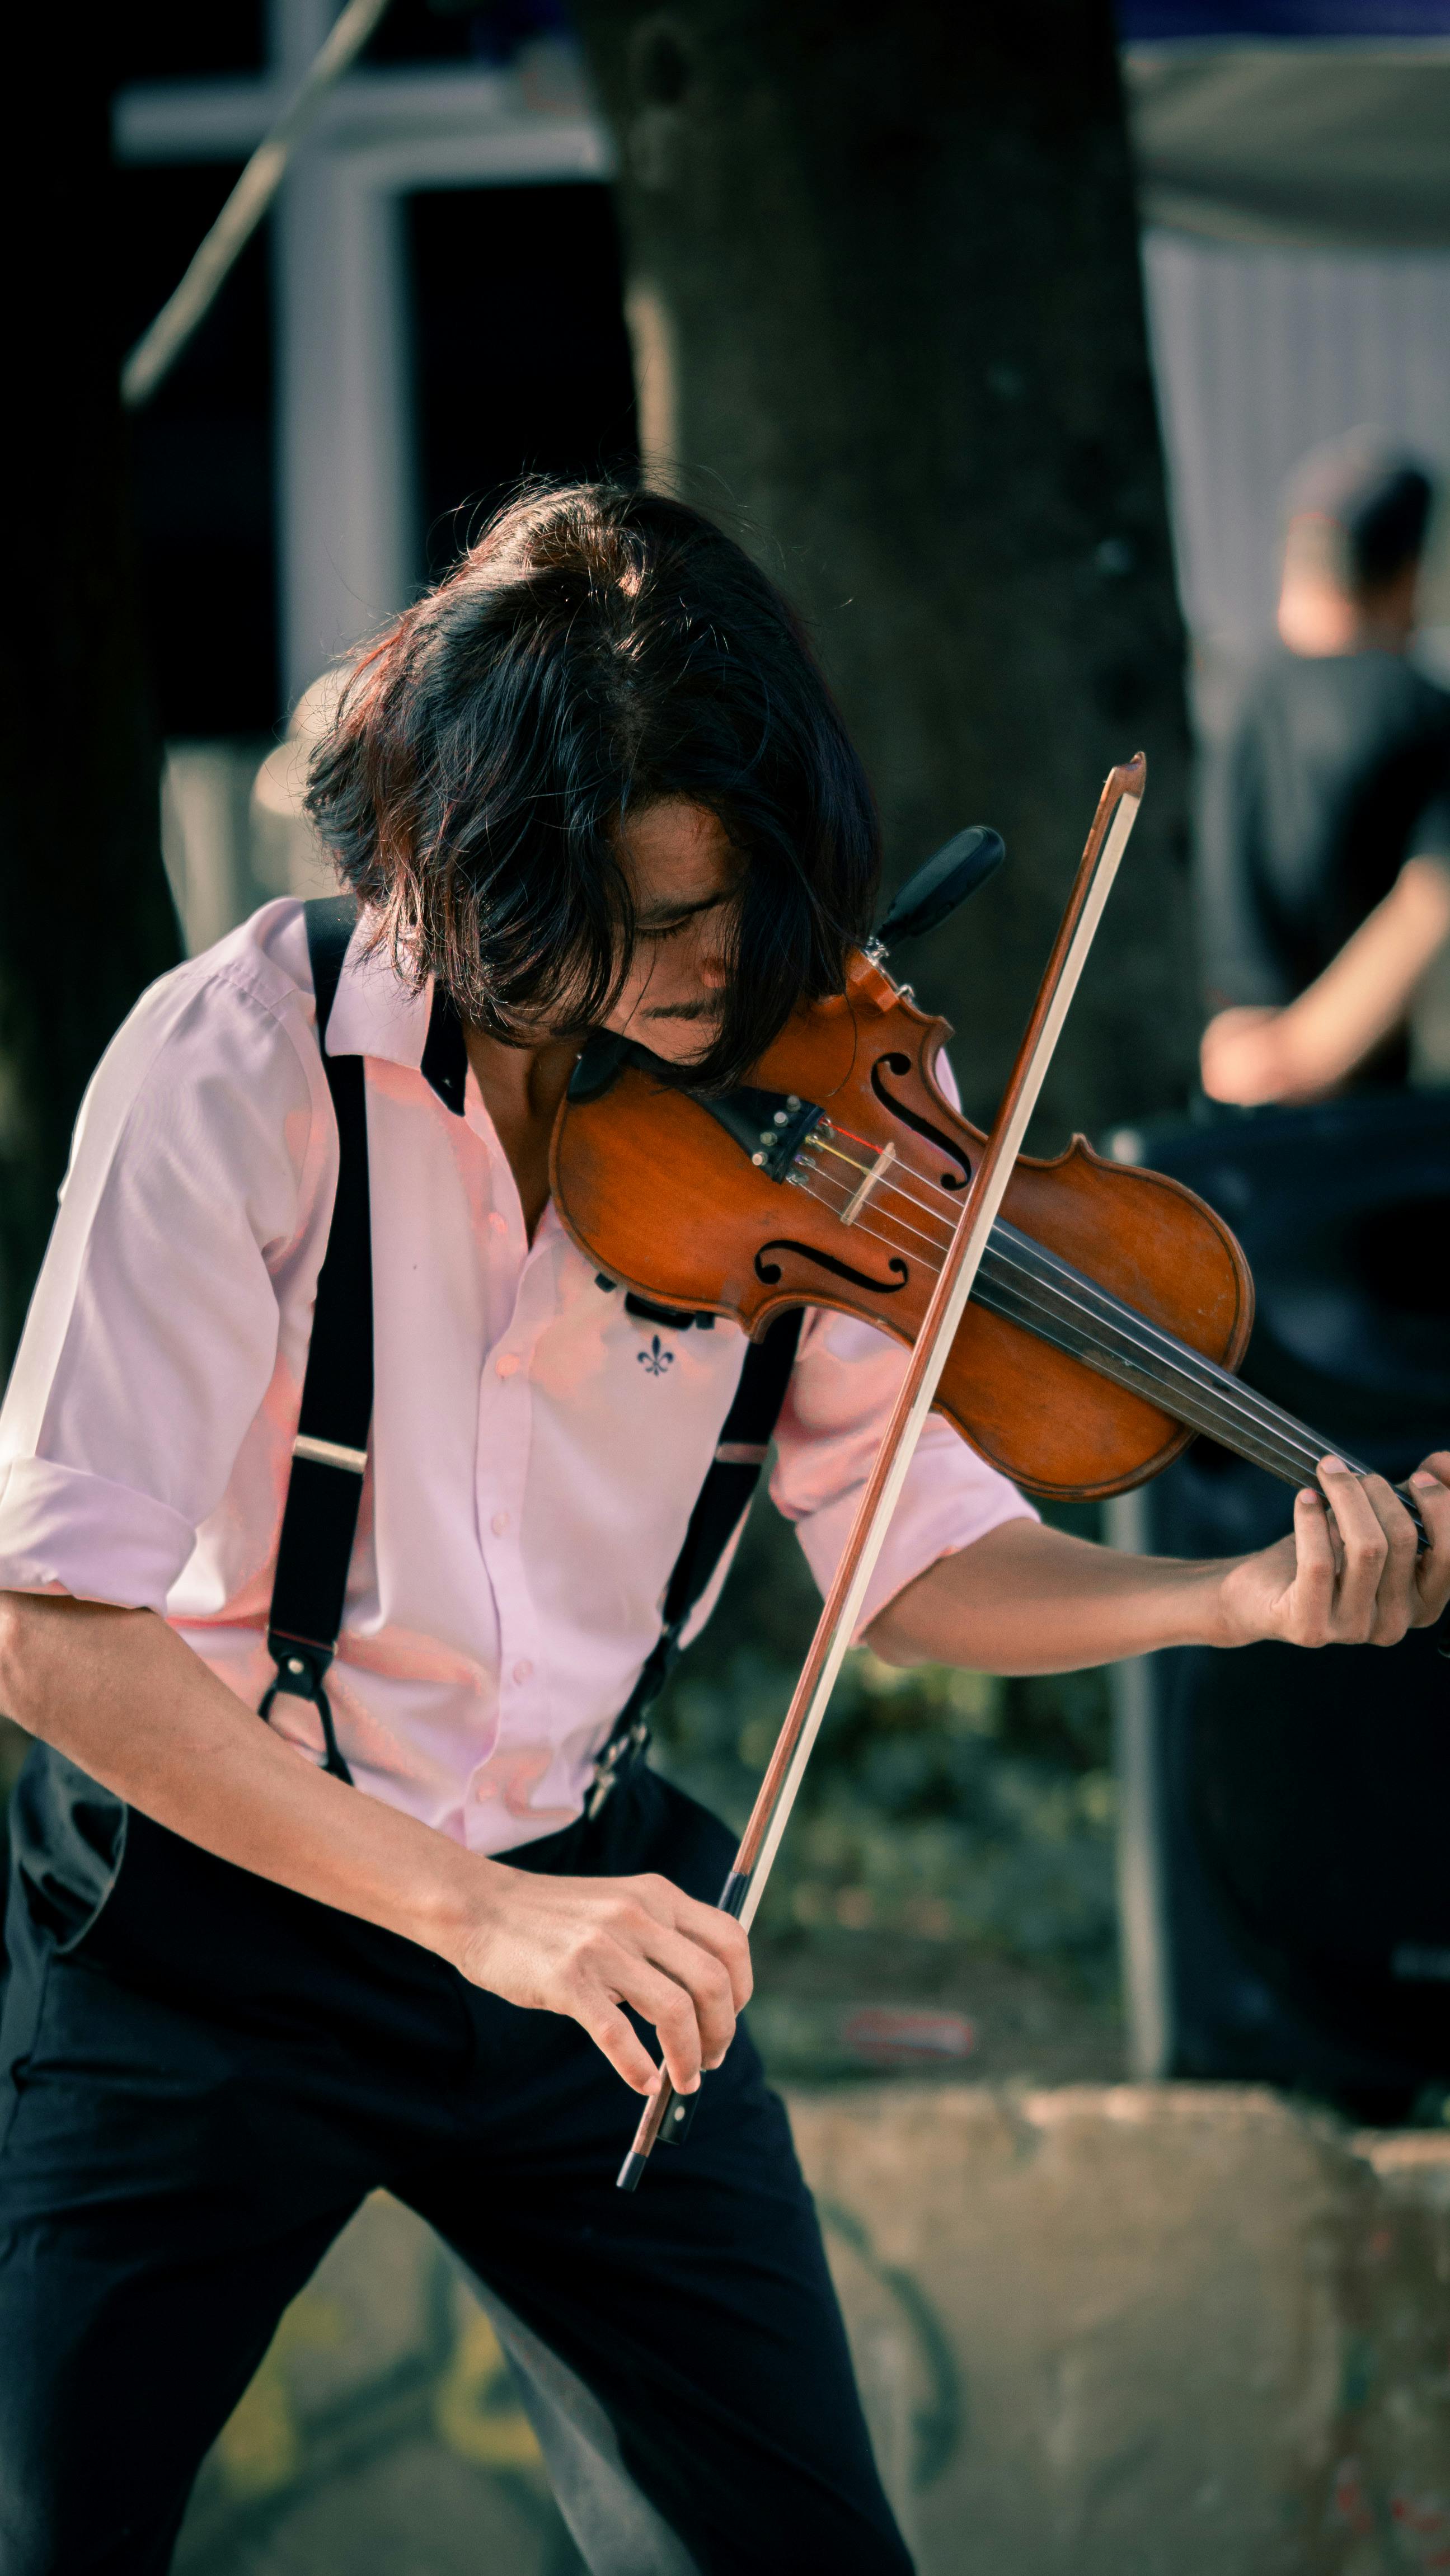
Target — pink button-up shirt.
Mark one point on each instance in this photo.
(535, 1450)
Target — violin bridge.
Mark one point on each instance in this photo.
(857, 1201)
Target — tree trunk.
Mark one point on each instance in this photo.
(88, 917)
(888, 323)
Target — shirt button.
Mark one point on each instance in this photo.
(507, 1362)
(500, 1523)
(523, 1669)
(498, 1221)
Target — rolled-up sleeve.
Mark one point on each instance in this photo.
(842, 1390)
(153, 1333)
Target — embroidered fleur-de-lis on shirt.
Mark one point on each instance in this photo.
(656, 1359)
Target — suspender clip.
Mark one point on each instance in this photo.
(620, 1754)
(302, 1667)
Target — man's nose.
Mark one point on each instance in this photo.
(714, 974)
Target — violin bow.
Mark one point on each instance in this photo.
(667, 2112)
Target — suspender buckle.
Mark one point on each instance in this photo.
(620, 1754)
(330, 1453)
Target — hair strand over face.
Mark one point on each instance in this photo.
(597, 651)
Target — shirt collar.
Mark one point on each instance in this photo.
(376, 1014)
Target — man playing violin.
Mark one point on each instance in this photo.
(592, 781)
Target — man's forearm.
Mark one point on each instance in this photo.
(1317, 1040)
(128, 1701)
(125, 1698)
(1027, 1599)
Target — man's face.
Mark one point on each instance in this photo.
(684, 876)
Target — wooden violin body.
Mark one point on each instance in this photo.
(663, 1197)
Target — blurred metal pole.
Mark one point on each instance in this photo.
(161, 345)
(347, 524)
(1142, 1908)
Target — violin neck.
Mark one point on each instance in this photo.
(1023, 1281)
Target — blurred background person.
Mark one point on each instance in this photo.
(1324, 888)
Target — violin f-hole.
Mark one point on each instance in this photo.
(922, 1126)
(769, 1272)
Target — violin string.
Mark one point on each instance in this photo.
(1216, 1400)
(1219, 1388)
(1166, 1385)
(1199, 1409)
(929, 1240)
(951, 1199)
(1197, 1388)
(889, 1188)
(1221, 1397)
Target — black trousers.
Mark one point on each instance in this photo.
(200, 2081)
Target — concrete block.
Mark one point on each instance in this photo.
(1100, 2331)
(383, 2434)
(1144, 2331)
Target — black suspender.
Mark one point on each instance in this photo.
(329, 1454)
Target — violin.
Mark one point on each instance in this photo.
(1077, 1320)
(1112, 1306)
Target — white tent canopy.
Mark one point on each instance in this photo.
(1296, 200)
(1321, 144)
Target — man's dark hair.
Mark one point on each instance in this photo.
(596, 651)
(1373, 504)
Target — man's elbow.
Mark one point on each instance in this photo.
(41, 1644)
(892, 1638)
(18, 1659)
(916, 1626)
